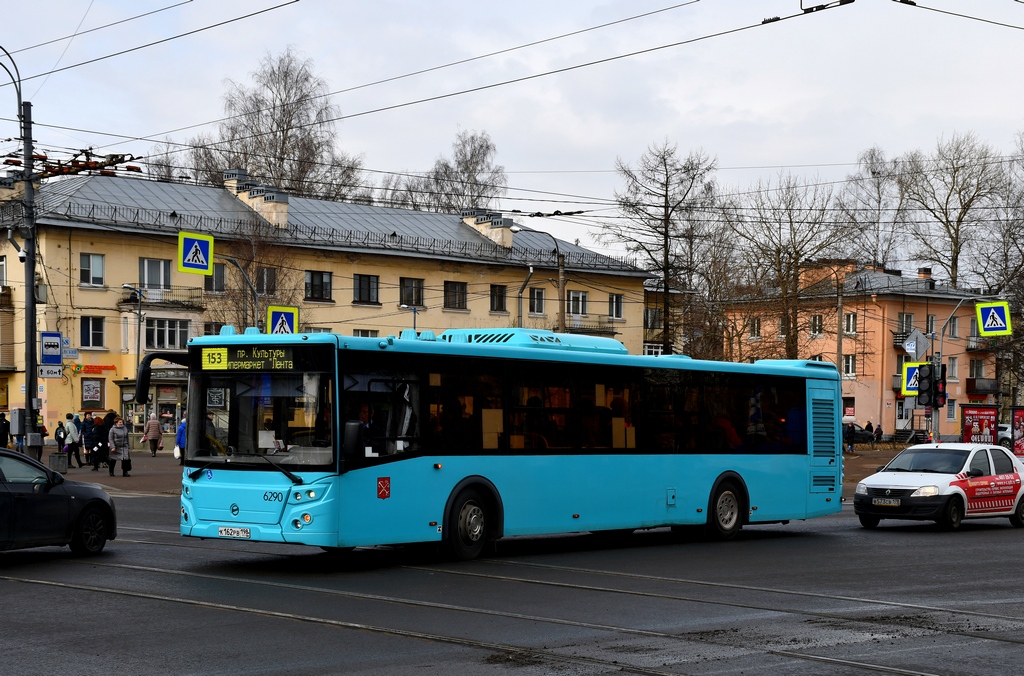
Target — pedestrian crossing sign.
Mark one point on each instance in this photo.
(282, 319)
(909, 386)
(993, 319)
(195, 253)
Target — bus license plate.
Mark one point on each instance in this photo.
(886, 502)
(231, 532)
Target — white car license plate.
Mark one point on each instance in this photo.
(231, 532)
(885, 502)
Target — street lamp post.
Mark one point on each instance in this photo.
(139, 294)
(415, 311)
(561, 275)
(33, 443)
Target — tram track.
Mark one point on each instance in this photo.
(710, 638)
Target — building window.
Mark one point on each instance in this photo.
(92, 332)
(212, 328)
(456, 295)
(615, 305)
(817, 326)
(576, 303)
(850, 322)
(977, 369)
(654, 349)
(318, 285)
(3, 270)
(90, 269)
(905, 322)
(953, 368)
(154, 273)
(92, 394)
(652, 318)
(901, 359)
(817, 357)
(266, 281)
(215, 283)
(951, 409)
(365, 333)
(169, 334)
(974, 327)
(930, 325)
(317, 329)
(364, 288)
(536, 301)
(954, 327)
(499, 296)
(410, 291)
(755, 327)
(783, 325)
(850, 365)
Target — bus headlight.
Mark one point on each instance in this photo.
(297, 495)
(297, 524)
(311, 494)
(925, 492)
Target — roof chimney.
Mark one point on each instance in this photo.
(268, 202)
(492, 226)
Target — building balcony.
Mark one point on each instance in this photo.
(590, 328)
(981, 344)
(982, 386)
(180, 297)
(898, 338)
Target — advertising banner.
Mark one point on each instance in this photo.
(979, 423)
(1017, 430)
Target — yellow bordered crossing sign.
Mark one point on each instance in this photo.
(195, 253)
(993, 319)
(282, 319)
(909, 388)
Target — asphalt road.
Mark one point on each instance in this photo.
(818, 597)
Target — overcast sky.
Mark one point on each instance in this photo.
(805, 94)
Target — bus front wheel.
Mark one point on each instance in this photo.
(725, 519)
(467, 525)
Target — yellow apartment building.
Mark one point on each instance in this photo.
(108, 280)
(861, 324)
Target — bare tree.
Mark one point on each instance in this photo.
(782, 227)
(874, 204)
(164, 161)
(281, 131)
(470, 179)
(950, 192)
(667, 208)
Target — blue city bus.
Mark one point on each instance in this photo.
(473, 435)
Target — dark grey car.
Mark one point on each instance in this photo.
(40, 508)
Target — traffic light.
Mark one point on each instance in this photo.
(939, 387)
(926, 385)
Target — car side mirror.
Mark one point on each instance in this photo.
(880, 468)
(56, 478)
(975, 473)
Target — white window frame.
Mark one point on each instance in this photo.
(850, 323)
(615, 305)
(654, 349)
(930, 325)
(174, 333)
(536, 300)
(154, 273)
(754, 324)
(953, 368)
(266, 281)
(950, 409)
(817, 326)
(90, 267)
(905, 322)
(364, 333)
(89, 331)
(954, 327)
(977, 369)
(576, 300)
(849, 365)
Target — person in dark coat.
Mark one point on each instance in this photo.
(89, 437)
(848, 437)
(102, 437)
(5, 430)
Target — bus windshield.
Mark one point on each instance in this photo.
(284, 415)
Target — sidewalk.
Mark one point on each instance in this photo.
(160, 475)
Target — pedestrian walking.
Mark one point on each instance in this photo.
(73, 441)
(152, 433)
(5, 430)
(90, 441)
(117, 445)
(179, 440)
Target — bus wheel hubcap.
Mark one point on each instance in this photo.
(471, 522)
(728, 510)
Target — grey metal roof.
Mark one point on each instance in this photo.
(153, 206)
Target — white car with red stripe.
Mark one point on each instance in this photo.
(945, 483)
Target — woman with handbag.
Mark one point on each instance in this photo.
(117, 445)
(152, 434)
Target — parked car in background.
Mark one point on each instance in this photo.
(40, 508)
(861, 435)
(945, 483)
(1004, 436)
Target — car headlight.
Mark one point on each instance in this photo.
(925, 492)
(862, 489)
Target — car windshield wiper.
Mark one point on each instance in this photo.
(194, 474)
(296, 480)
(895, 469)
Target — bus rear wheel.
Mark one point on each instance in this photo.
(467, 525)
(724, 518)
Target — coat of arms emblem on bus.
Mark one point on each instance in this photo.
(384, 487)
